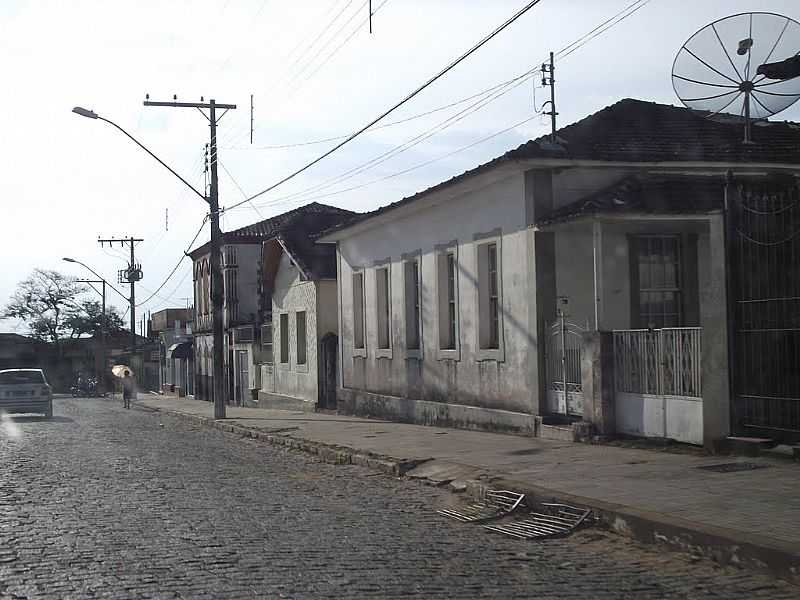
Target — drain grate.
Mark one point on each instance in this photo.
(496, 503)
(733, 467)
(555, 520)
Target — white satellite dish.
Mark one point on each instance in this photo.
(746, 65)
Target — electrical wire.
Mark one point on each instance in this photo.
(236, 183)
(183, 256)
(385, 125)
(417, 166)
(413, 94)
(418, 139)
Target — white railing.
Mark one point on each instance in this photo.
(659, 361)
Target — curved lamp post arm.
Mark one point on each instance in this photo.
(96, 274)
(92, 115)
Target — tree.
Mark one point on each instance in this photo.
(86, 317)
(43, 301)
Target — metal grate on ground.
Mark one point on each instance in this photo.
(496, 503)
(555, 520)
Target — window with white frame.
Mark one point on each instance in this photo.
(447, 281)
(284, 333)
(358, 310)
(383, 306)
(488, 296)
(413, 303)
(300, 334)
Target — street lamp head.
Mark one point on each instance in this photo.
(67, 259)
(84, 112)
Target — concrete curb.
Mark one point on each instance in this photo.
(724, 546)
(329, 453)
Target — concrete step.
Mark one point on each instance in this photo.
(564, 433)
(748, 446)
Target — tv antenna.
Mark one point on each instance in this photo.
(744, 66)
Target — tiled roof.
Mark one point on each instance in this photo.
(311, 219)
(642, 194)
(638, 131)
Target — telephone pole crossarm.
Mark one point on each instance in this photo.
(217, 298)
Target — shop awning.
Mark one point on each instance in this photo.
(180, 350)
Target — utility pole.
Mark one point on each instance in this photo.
(216, 244)
(130, 275)
(103, 329)
(550, 69)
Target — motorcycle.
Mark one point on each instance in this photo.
(85, 388)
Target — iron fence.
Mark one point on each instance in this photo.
(659, 361)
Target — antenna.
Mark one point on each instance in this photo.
(251, 119)
(745, 66)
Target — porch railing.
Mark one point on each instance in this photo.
(659, 361)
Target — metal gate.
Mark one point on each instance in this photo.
(658, 383)
(764, 235)
(563, 363)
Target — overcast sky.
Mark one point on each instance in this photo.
(315, 73)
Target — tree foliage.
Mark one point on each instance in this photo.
(86, 318)
(43, 302)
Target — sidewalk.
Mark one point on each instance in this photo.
(750, 516)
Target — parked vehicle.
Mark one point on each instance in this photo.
(87, 387)
(25, 391)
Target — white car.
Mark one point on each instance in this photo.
(25, 391)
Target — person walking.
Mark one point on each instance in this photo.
(128, 389)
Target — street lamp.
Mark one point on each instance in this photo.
(216, 243)
(104, 328)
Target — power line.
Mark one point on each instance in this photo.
(563, 53)
(319, 36)
(385, 125)
(430, 81)
(427, 134)
(236, 183)
(340, 46)
(180, 260)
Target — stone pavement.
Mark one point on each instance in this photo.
(102, 502)
(759, 508)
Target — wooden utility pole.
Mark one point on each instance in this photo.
(130, 275)
(216, 245)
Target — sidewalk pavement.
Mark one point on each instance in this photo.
(750, 517)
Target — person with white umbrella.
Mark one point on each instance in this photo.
(125, 373)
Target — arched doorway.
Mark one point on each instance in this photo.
(327, 371)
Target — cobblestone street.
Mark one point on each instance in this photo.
(103, 502)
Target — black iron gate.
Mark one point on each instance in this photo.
(764, 231)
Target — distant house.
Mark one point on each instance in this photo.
(587, 280)
(249, 284)
(173, 326)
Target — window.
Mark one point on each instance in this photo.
(411, 269)
(284, 333)
(358, 310)
(658, 294)
(488, 296)
(447, 299)
(383, 307)
(300, 333)
(266, 340)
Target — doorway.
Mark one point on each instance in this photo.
(327, 371)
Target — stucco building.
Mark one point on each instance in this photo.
(593, 279)
(248, 304)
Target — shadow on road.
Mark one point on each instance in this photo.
(36, 418)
